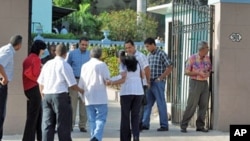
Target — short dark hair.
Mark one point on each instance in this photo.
(128, 60)
(83, 39)
(61, 50)
(37, 46)
(150, 41)
(16, 40)
(130, 41)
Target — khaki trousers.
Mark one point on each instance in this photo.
(75, 100)
(198, 96)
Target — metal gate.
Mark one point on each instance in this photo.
(192, 22)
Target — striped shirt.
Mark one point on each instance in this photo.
(158, 62)
(7, 60)
(76, 59)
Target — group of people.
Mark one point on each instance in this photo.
(55, 85)
(62, 31)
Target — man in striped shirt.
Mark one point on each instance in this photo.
(160, 67)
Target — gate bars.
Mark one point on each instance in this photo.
(191, 23)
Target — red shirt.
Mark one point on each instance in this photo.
(34, 61)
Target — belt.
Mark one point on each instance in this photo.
(152, 79)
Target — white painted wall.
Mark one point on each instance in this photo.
(168, 19)
(42, 12)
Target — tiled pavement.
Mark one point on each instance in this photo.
(111, 132)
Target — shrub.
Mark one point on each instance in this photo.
(123, 25)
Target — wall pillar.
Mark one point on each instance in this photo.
(14, 17)
(231, 63)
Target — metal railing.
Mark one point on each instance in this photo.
(68, 42)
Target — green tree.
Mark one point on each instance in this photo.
(123, 25)
(81, 21)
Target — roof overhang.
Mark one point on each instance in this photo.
(161, 9)
(60, 12)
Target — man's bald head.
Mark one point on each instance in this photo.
(61, 50)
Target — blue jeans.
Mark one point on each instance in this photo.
(156, 93)
(97, 115)
(3, 101)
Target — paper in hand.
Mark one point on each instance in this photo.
(81, 96)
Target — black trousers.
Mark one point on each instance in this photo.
(57, 110)
(145, 88)
(3, 101)
(130, 108)
(34, 115)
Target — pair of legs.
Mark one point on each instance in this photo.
(97, 115)
(130, 109)
(198, 96)
(34, 115)
(156, 93)
(3, 101)
(56, 110)
(82, 109)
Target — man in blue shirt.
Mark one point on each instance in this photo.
(76, 59)
(7, 53)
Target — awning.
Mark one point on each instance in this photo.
(161, 9)
(59, 12)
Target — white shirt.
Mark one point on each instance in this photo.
(7, 60)
(92, 80)
(132, 84)
(56, 76)
(143, 62)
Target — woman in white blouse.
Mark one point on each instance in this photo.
(131, 95)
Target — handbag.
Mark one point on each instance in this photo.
(29, 73)
(144, 99)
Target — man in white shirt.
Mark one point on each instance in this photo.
(144, 65)
(7, 53)
(94, 74)
(55, 78)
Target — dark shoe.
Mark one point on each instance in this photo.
(162, 129)
(94, 139)
(202, 130)
(183, 130)
(144, 128)
(136, 139)
(83, 130)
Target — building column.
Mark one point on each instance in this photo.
(231, 63)
(14, 19)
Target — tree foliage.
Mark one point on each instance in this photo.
(83, 22)
(123, 25)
